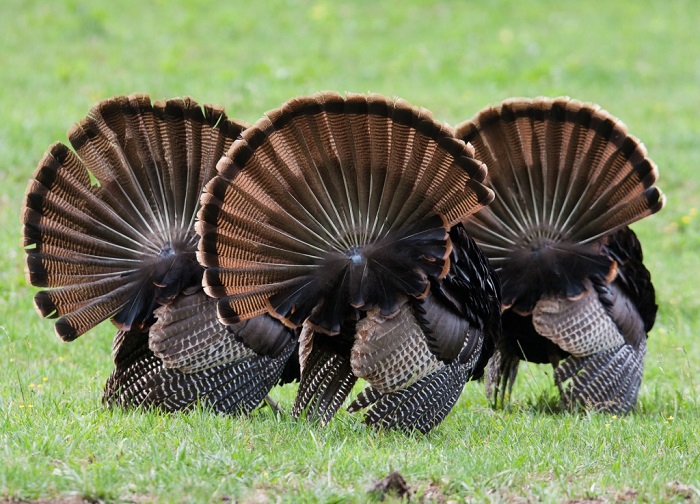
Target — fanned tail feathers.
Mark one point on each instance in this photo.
(563, 166)
(109, 228)
(332, 203)
(565, 174)
(332, 213)
(335, 213)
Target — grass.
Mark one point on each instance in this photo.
(640, 60)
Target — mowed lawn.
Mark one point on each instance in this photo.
(639, 60)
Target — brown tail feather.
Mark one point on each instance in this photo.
(559, 168)
(565, 174)
(109, 229)
(297, 201)
(331, 208)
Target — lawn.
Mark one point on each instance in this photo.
(639, 60)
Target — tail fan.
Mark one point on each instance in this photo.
(109, 228)
(336, 213)
(565, 174)
(331, 204)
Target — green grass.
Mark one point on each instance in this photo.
(639, 60)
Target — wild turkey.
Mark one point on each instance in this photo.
(568, 179)
(109, 230)
(340, 215)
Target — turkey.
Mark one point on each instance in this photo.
(109, 231)
(568, 180)
(339, 216)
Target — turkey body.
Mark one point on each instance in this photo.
(568, 180)
(340, 217)
(109, 231)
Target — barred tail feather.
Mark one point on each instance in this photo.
(297, 207)
(326, 381)
(140, 379)
(568, 180)
(108, 228)
(419, 407)
(607, 381)
(561, 170)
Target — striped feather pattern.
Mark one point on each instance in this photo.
(323, 186)
(421, 407)
(188, 336)
(140, 379)
(336, 214)
(404, 356)
(392, 354)
(561, 170)
(109, 228)
(579, 326)
(324, 386)
(607, 381)
(326, 373)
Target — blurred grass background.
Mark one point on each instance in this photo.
(639, 60)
